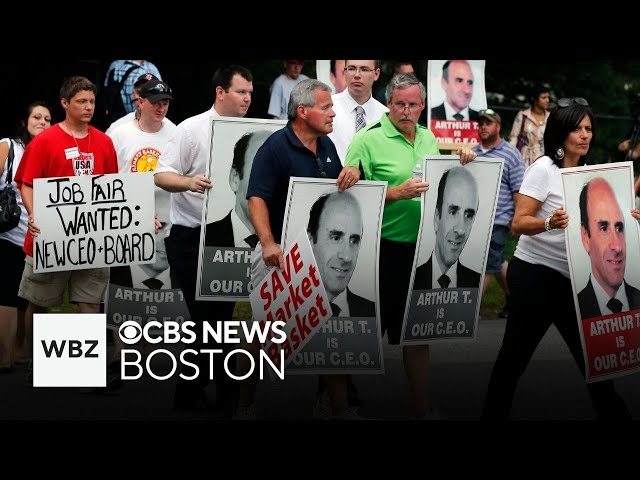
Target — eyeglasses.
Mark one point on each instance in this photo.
(353, 69)
(566, 102)
(401, 106)
(487, 111)
(323, 174)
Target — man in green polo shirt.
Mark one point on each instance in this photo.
(388, 150)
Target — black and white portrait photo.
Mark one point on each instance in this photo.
(452, 248)
(228, 237)
(147, 291)
(344, 233)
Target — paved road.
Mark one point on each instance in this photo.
(551, 389)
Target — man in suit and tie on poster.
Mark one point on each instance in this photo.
(602, 234)
(457, 82)
(235, 229)
(456, 208)
(335, 233)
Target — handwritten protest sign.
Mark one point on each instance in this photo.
(93, 221)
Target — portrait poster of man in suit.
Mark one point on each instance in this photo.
(147, 291)
(604, 264)
(344, 232)
(456, 94)
(227, 237)
(451, 252)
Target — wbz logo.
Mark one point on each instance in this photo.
(69, 350)
(74, 348)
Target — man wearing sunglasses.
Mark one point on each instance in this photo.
(492, 145)
(139, 139)
(135, 96)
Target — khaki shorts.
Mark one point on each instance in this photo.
(46, 289)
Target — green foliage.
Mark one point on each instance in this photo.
(493, 298)
(605, 84)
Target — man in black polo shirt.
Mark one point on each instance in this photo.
(301, 149)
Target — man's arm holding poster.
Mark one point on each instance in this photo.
(172, 182)
(259, 213)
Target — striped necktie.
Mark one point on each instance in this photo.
(359, 118)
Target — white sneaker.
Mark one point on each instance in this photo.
(322, 407)
(246, 413)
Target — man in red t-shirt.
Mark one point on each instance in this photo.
(71, 147)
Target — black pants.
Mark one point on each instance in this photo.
(396, 262)
(182, 253)
(540, 297)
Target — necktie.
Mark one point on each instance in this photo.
(335, 309)
(458, 116)
(359, 118)
(153, 283)
(444, 281)
(614, 305)
(252, 240)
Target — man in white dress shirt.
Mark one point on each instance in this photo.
(355, 100)
(181, 170)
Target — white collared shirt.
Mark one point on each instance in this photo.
(187, 153)
(240, 230)
(436, 273)
(344, 123)
(138, 276)
(603, 297)
(341, 301)
(450, 112)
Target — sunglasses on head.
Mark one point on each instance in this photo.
(487, 111)
(566, 102)
(160, 88)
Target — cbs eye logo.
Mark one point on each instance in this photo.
(130, 332)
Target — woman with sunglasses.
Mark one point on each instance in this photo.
(528, 128)
(540, 265)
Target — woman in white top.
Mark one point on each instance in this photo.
(12, 327)
(538, 275)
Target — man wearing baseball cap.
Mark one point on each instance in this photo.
(513, 170)
(156, 90)
(135, 95)
(281, 88)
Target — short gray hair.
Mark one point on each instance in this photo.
(302, 94)
(404, 80)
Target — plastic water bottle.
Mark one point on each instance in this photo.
(417, 173)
